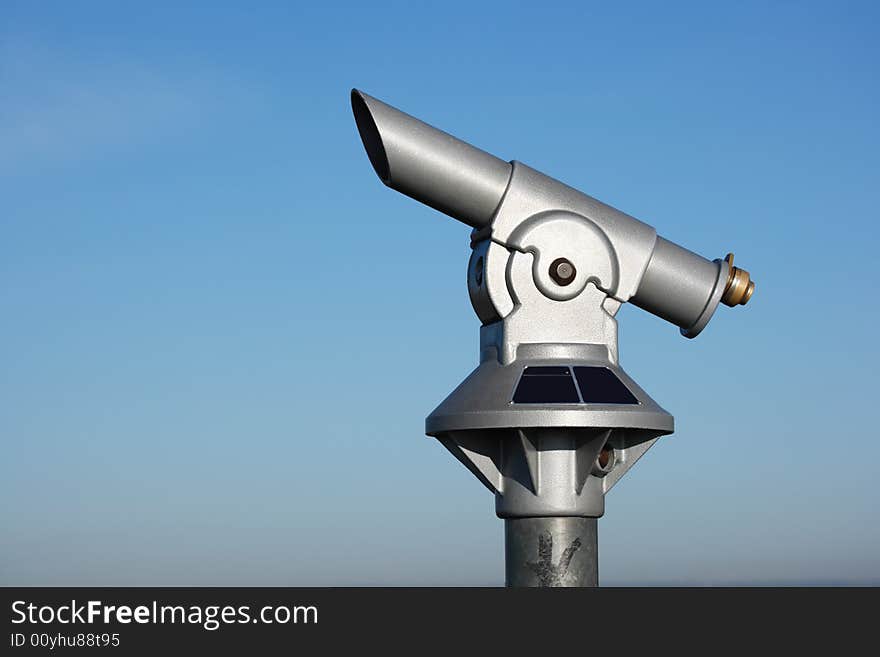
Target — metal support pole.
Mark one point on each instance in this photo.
(551, 551)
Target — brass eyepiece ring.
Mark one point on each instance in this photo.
(739, 288)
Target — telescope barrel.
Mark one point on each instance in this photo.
(468, 184)
(677, 285)
(430, 165)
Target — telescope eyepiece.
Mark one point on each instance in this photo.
(739, 288)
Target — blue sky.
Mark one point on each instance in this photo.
(220, 333)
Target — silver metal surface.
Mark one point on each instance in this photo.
(549, 269)
(681, 287)
(429, 165)
(548, 471)
(543, 552)
(626, 242)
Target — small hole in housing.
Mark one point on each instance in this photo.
(604, 462)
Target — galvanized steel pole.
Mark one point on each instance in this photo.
(551, 552)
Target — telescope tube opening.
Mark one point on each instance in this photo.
(370, 136)
(429, 165)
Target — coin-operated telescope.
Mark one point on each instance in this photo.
(549, 421)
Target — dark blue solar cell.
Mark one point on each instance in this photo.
(546, 385)
(599, 385)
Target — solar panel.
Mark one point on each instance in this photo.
(554, 384)
(546, 385)
(599, 385)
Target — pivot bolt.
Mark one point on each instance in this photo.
(562, 271)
